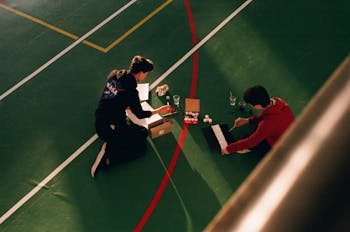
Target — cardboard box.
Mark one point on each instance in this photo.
(160, 128)
(192, 108)
(156, 124)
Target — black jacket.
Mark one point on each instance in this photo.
(119, 93)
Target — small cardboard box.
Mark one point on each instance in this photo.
(192, 108)
(156, 124)
(160, 128)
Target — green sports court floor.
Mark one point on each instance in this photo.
(51, 80)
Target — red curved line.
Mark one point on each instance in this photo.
(195, 55)
(184, 130)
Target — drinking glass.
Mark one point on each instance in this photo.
(232, 100)
(176, 99)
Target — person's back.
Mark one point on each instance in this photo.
(278, 117)
(119, 93)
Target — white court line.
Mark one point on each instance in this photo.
(63, 52)
(47, 179)
(94, 137)
(88, 143)
(200, 44)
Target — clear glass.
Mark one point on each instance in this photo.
(176, 99)
(232, 100)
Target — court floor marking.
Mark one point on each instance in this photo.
(86, 42)
(200, 44)
(95, 136)
(39, 186)
(181, 139)
(187, 215)
(138, 25)
(182, 136)
(50, 26)
(65, 51)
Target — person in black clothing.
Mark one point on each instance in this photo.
(123, 139)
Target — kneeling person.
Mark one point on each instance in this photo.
(123, 141)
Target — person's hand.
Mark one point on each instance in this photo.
(240, 122)
(164, 109)
(224, 152)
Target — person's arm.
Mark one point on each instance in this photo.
(251, 120)
(240, 122)
(255, 119)
(247, 143)
(136, 108)
(162, 110)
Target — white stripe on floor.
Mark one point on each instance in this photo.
(94, 137)
(63, 52)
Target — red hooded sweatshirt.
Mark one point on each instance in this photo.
(272, 123)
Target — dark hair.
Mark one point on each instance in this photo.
(140, 64)
(257, 95)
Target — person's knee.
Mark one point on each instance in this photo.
(144, 133)
(104, 132)
(124, 155)
(138, 133)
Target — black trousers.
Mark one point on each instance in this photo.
(123, 143)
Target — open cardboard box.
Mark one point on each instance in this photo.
(160, 127)
(156, 124)
(192, 108)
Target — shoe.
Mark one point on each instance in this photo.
(101, 161)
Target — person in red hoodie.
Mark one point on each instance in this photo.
(273, 121)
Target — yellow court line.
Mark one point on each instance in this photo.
(31, 18)
(72, 36)
(126, 34)
(97, 47)
(50, 26)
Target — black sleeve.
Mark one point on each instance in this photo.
(135, 106)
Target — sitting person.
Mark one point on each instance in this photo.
(273, 121)
(123, 140)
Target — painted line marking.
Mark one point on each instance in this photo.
(50, 26)
(183, 134)
(138, 25)
(66, 50)
(95, 137)
(187, 215)
(177, 151)
(39, 186)
(47, 179)
(164, 182)
(43, 183)
(86, 42)
(200, 44)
